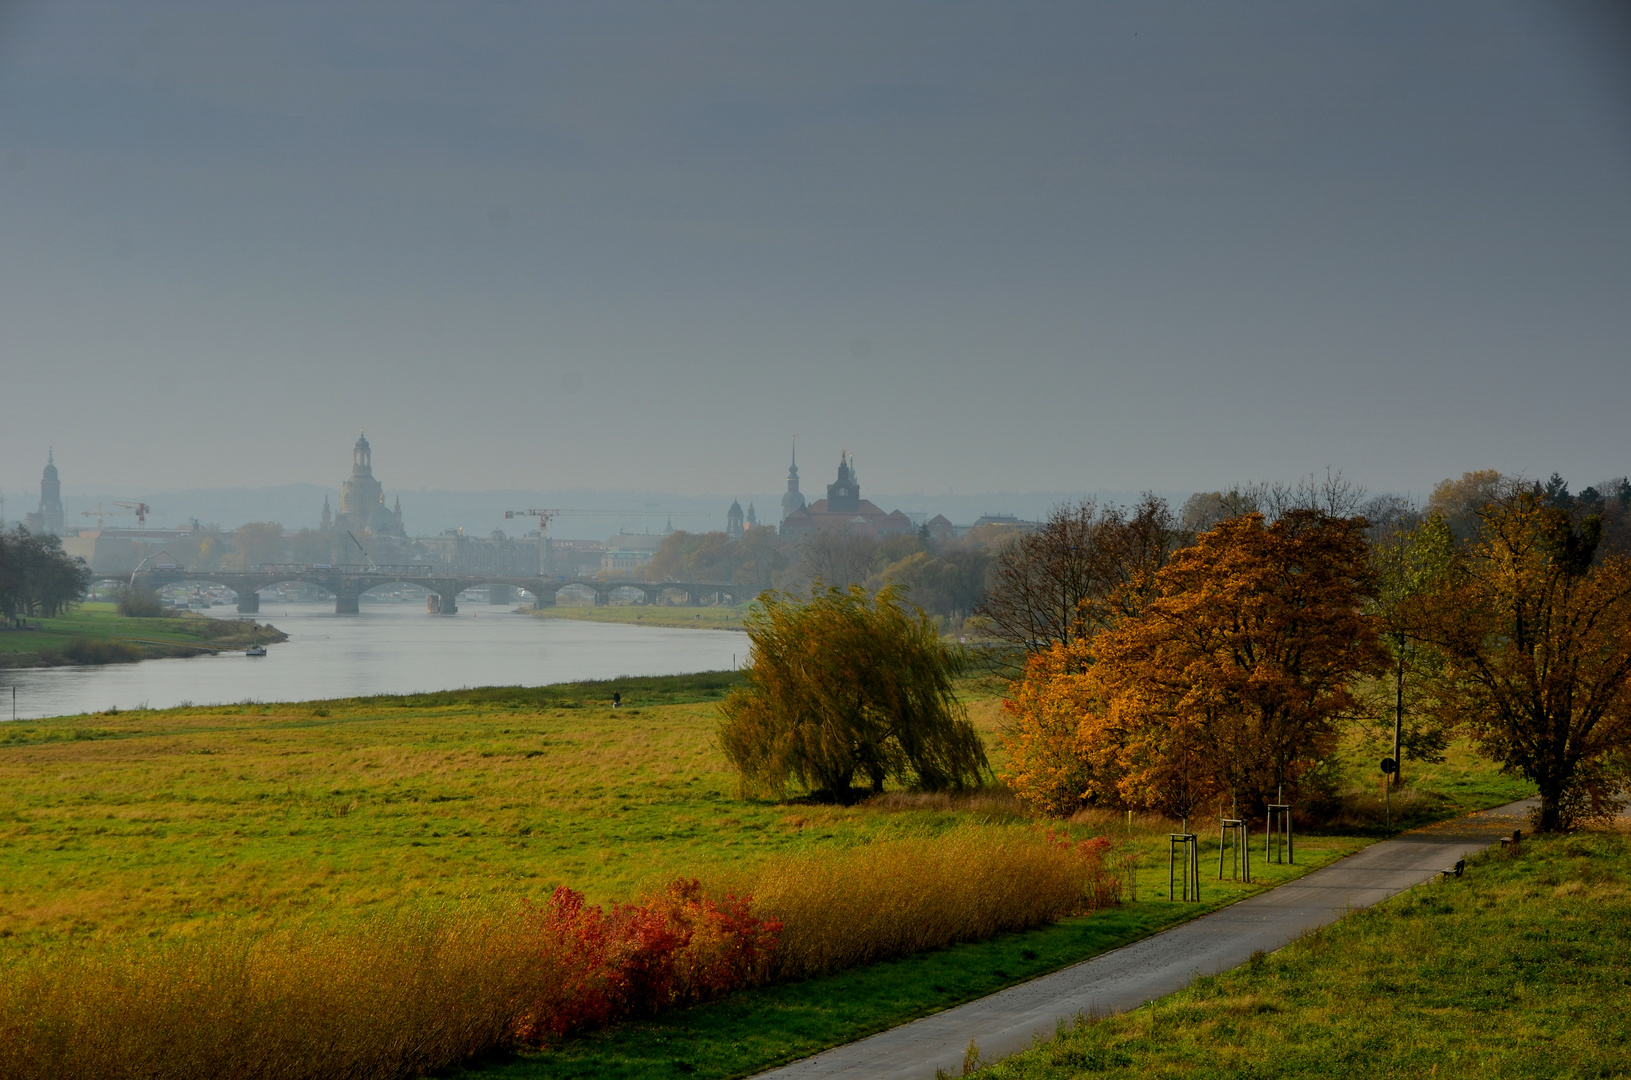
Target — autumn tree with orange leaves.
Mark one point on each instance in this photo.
(1232, 678)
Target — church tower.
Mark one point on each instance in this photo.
(844, 494)
(793, 501)
(361, 494)
(733, 520)
(49, 517)
(326, 522)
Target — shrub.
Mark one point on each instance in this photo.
(677, 948)
(88, 651)
(139, 603)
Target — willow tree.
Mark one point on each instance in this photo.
(841, 685)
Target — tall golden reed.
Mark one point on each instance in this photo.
(396, 998)
(898, 897)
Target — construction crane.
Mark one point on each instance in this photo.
(544, 518)
(140, 509)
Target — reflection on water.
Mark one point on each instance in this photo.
(388, 649)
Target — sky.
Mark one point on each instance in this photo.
(983, 247)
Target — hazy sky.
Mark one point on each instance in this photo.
(990, 247)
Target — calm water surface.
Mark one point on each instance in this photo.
(388, 649)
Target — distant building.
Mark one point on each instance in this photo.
(362, 498)
(793, 501)
(753, 519)
(733, 521)
(48, 519)
(843, 509)
(627, 552)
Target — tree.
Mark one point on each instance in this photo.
(1409, 559)
(258, 543)
(1052, 762)
(950, 582)
(1238, 671)
(1536, 624)
(36, 576)
(1040, 579)
(1461, 500)
(834, 557)
(838, 685)
(1086, 566)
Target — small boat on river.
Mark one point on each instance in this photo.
(255, 650)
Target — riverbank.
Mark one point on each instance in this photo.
(95, 633)
(719, 617)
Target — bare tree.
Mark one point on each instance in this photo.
(1086, 566)
(1041, 578)
(836, 558)
(1333, 495)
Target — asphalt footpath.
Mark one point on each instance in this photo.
(1011, 1020)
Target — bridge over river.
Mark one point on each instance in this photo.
(349, 583)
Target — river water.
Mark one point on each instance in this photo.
(388, 649)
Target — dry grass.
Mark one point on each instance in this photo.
(993, 802)
(397, 997)
(897, 897)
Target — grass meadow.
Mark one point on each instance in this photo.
(1520, 969)
(59, 638)
(714, 617)
(274, 859)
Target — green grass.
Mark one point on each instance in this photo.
(720, 617)
(102, 622)
(158, 821)
(1520, 969)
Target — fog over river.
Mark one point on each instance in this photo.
(388, 649)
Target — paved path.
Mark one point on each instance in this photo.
(1008, 1022)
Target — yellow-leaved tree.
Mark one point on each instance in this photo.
(1536, 624)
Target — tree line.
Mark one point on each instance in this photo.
(945, 578)
(1173, 660)
(36, 577)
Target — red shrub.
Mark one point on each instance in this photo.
(675, 948)
(1102, 888)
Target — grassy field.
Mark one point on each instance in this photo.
(143, 821)
(171, 824)
(721, 617)
(53, 641)
(1520, 969)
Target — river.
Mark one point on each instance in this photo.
(388, 649)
